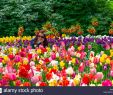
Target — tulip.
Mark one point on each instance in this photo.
(17, 58)
(62, 64)
(76, 81)
(18, 82)
(1, 70)
(69, 70)
(81, 67)
(12, 76)
(89, 47)
(35, 79)
(83, 54)
(111, 73)
(73, 60)
(25, 61)
(26, 84)
(112, 45)
(108, 61)
(99, 76)
(93, 70)
(53, 56)
(107, 83)
(1, 65)
(32, 63)
(107, 46)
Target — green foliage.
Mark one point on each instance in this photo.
(61, 13)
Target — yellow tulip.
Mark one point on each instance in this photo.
(111, 54)
(76, 81)
(18, 64)
(3, 61)
(49, 69)
(55, 67)
(62, 64)
(39, 51)
(112, 82)
(79, 48)
(104, 56)
(102, 60)
(48, 49)
(108, 61)
(52, 83)
(63, 35)
(73, 60)
(111, 50)
(25, 61)
(6, 58)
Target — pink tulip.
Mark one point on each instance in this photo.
(77, 61)
(82, 55)
(81, 67)
(107, 46)
(96, 60)
(71, 51)
(17, 58)
(14, 70)
(31, 71)
(82, 47)
(53, 56)
(112, 45)
(89, 46)
(4, 82)
(29, 47)
(35, 79)
(107, 83)
(32, 63)
(111, 73)
(9, 69)
(72, 48)
(50, 59)
(41, 46)
(12, 76)
(93, 70)
(1, 59)
(99, 76)
(1, 70)
(63, 44)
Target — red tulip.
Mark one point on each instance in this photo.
(26, 84)
(86, 79)
(11, 56)
(29, 56)
(18, 82)
(48, 76)
(43, 84)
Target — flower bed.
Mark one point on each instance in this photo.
(73, 61)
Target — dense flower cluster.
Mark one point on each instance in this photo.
(75, 61)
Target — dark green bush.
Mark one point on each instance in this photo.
(61, 13)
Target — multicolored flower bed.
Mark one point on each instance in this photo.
(70, 61)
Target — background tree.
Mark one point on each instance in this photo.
(33, 14)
